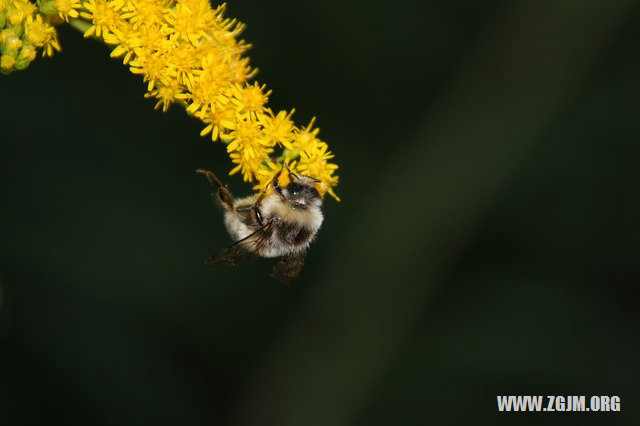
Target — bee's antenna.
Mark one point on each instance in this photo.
(315, 179)
(286, 164)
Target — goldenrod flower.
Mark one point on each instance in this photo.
(153, 67)
(182, 61)
(305, 139)
(250, 99)
(208, 90)
(248, 148)
(18, 11)
(105, 15)
(190, 20)
(314, 162)
(41, 34)
(279, 128)
(220, 120)
(125, 43)
(189, 54)
(145, 12)
(166, 94)
(67, 8)
(64, 9)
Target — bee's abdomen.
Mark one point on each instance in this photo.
(293, 234)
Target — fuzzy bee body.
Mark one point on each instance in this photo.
(282, 223)
(293, 229)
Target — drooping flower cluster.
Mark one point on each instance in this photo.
(23, 30)
(189, 54)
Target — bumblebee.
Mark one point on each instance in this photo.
(279, 222)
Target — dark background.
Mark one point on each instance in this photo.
(487, 242)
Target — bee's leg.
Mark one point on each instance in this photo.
(261, 196)
(277, 187)
(274, 183)
(222, 193)
(258, 215)
(255, 209)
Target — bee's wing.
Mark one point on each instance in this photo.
(233, 255)
(288, 267)
(244, 250)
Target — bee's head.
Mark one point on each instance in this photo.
(301, 193)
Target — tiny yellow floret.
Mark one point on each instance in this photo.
(67, 8)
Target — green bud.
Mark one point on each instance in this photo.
(21, 64)
(47, 7)
(8, 51)
(7, 63)
(27, 53)
(13, 43)
(17, 29)
(7, 34)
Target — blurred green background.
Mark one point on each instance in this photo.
(487, 244)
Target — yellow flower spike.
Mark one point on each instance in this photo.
(187, 53)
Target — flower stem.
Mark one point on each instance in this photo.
(79, 25)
